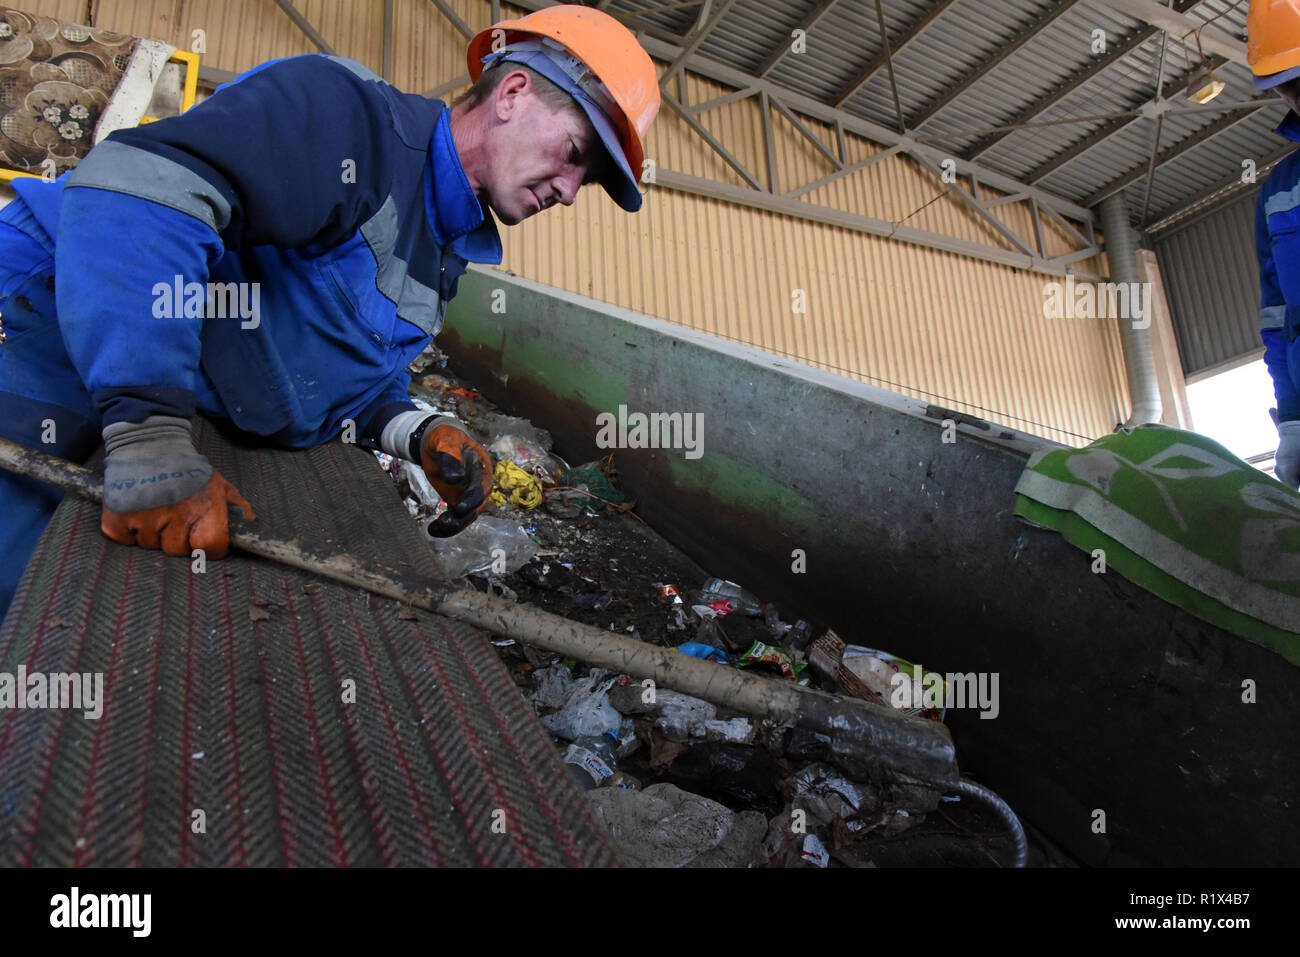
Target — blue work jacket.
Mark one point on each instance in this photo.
(334, 203)
(1277, 242)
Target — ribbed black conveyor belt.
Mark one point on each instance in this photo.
(224, 701)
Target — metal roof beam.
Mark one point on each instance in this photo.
(1050, 99)
(1070, 228)
(1180, 26)
(723, 100)
(709, 138)
(970, 79)
(738, 79)
(1231, 185)
(1046, 102)
(772, 59)
(862, 164)
(807, 133)
(1148, 109)
(696, 38)
(875, 66)
(976, 206)
(759, 199)
(1230, 119)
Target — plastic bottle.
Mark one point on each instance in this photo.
(717, 589)
(590, 760)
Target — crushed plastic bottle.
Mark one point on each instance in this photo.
(717, 590)
(590, 760)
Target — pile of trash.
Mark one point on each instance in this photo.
(677, 781)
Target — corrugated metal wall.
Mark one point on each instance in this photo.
(952, 330)
(1212, 278)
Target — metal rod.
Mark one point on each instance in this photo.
(1160, 124)
(303, 24)
(871, 69)
(388, 40)
(769, 154)
(1151, 165)
(889, 63)
(438, 91)
(1068, 226)
(807, 133)
(461, 26)
(693, 42)
(712, 140)
(866, 738)
(772, 59)
(844, 171)
(989, 63)
(1038, 227)
(979, 208)
(717, 101)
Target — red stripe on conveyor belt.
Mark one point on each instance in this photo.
(422, 816)
(499, 805)
(226, 738)
(539, 794)
(47, 757)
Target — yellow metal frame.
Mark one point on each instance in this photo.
(189, 93)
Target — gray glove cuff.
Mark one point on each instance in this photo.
(151, 464)
(396, 437)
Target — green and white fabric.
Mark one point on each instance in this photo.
(1183, 517)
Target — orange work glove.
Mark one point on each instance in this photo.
(199, 521)
(461, 470)
(160, 493)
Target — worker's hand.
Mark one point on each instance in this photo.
(461, 470)
(160, 493)
(1287, 468)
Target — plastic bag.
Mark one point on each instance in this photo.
(490, 544)
(586, 711)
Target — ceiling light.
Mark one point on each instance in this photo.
(1204, 87)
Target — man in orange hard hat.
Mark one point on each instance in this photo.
(1273, 51)
(586, 60)
(348, 210)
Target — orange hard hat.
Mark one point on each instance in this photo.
(1273, 44)
(600, 63)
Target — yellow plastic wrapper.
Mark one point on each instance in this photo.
(513, 484)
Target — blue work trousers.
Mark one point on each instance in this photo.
(43, 403)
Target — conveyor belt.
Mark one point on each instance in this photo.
(225, 702)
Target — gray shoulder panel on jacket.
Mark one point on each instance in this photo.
(360, 69)
(136, 172)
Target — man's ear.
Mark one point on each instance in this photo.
(513, 87)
